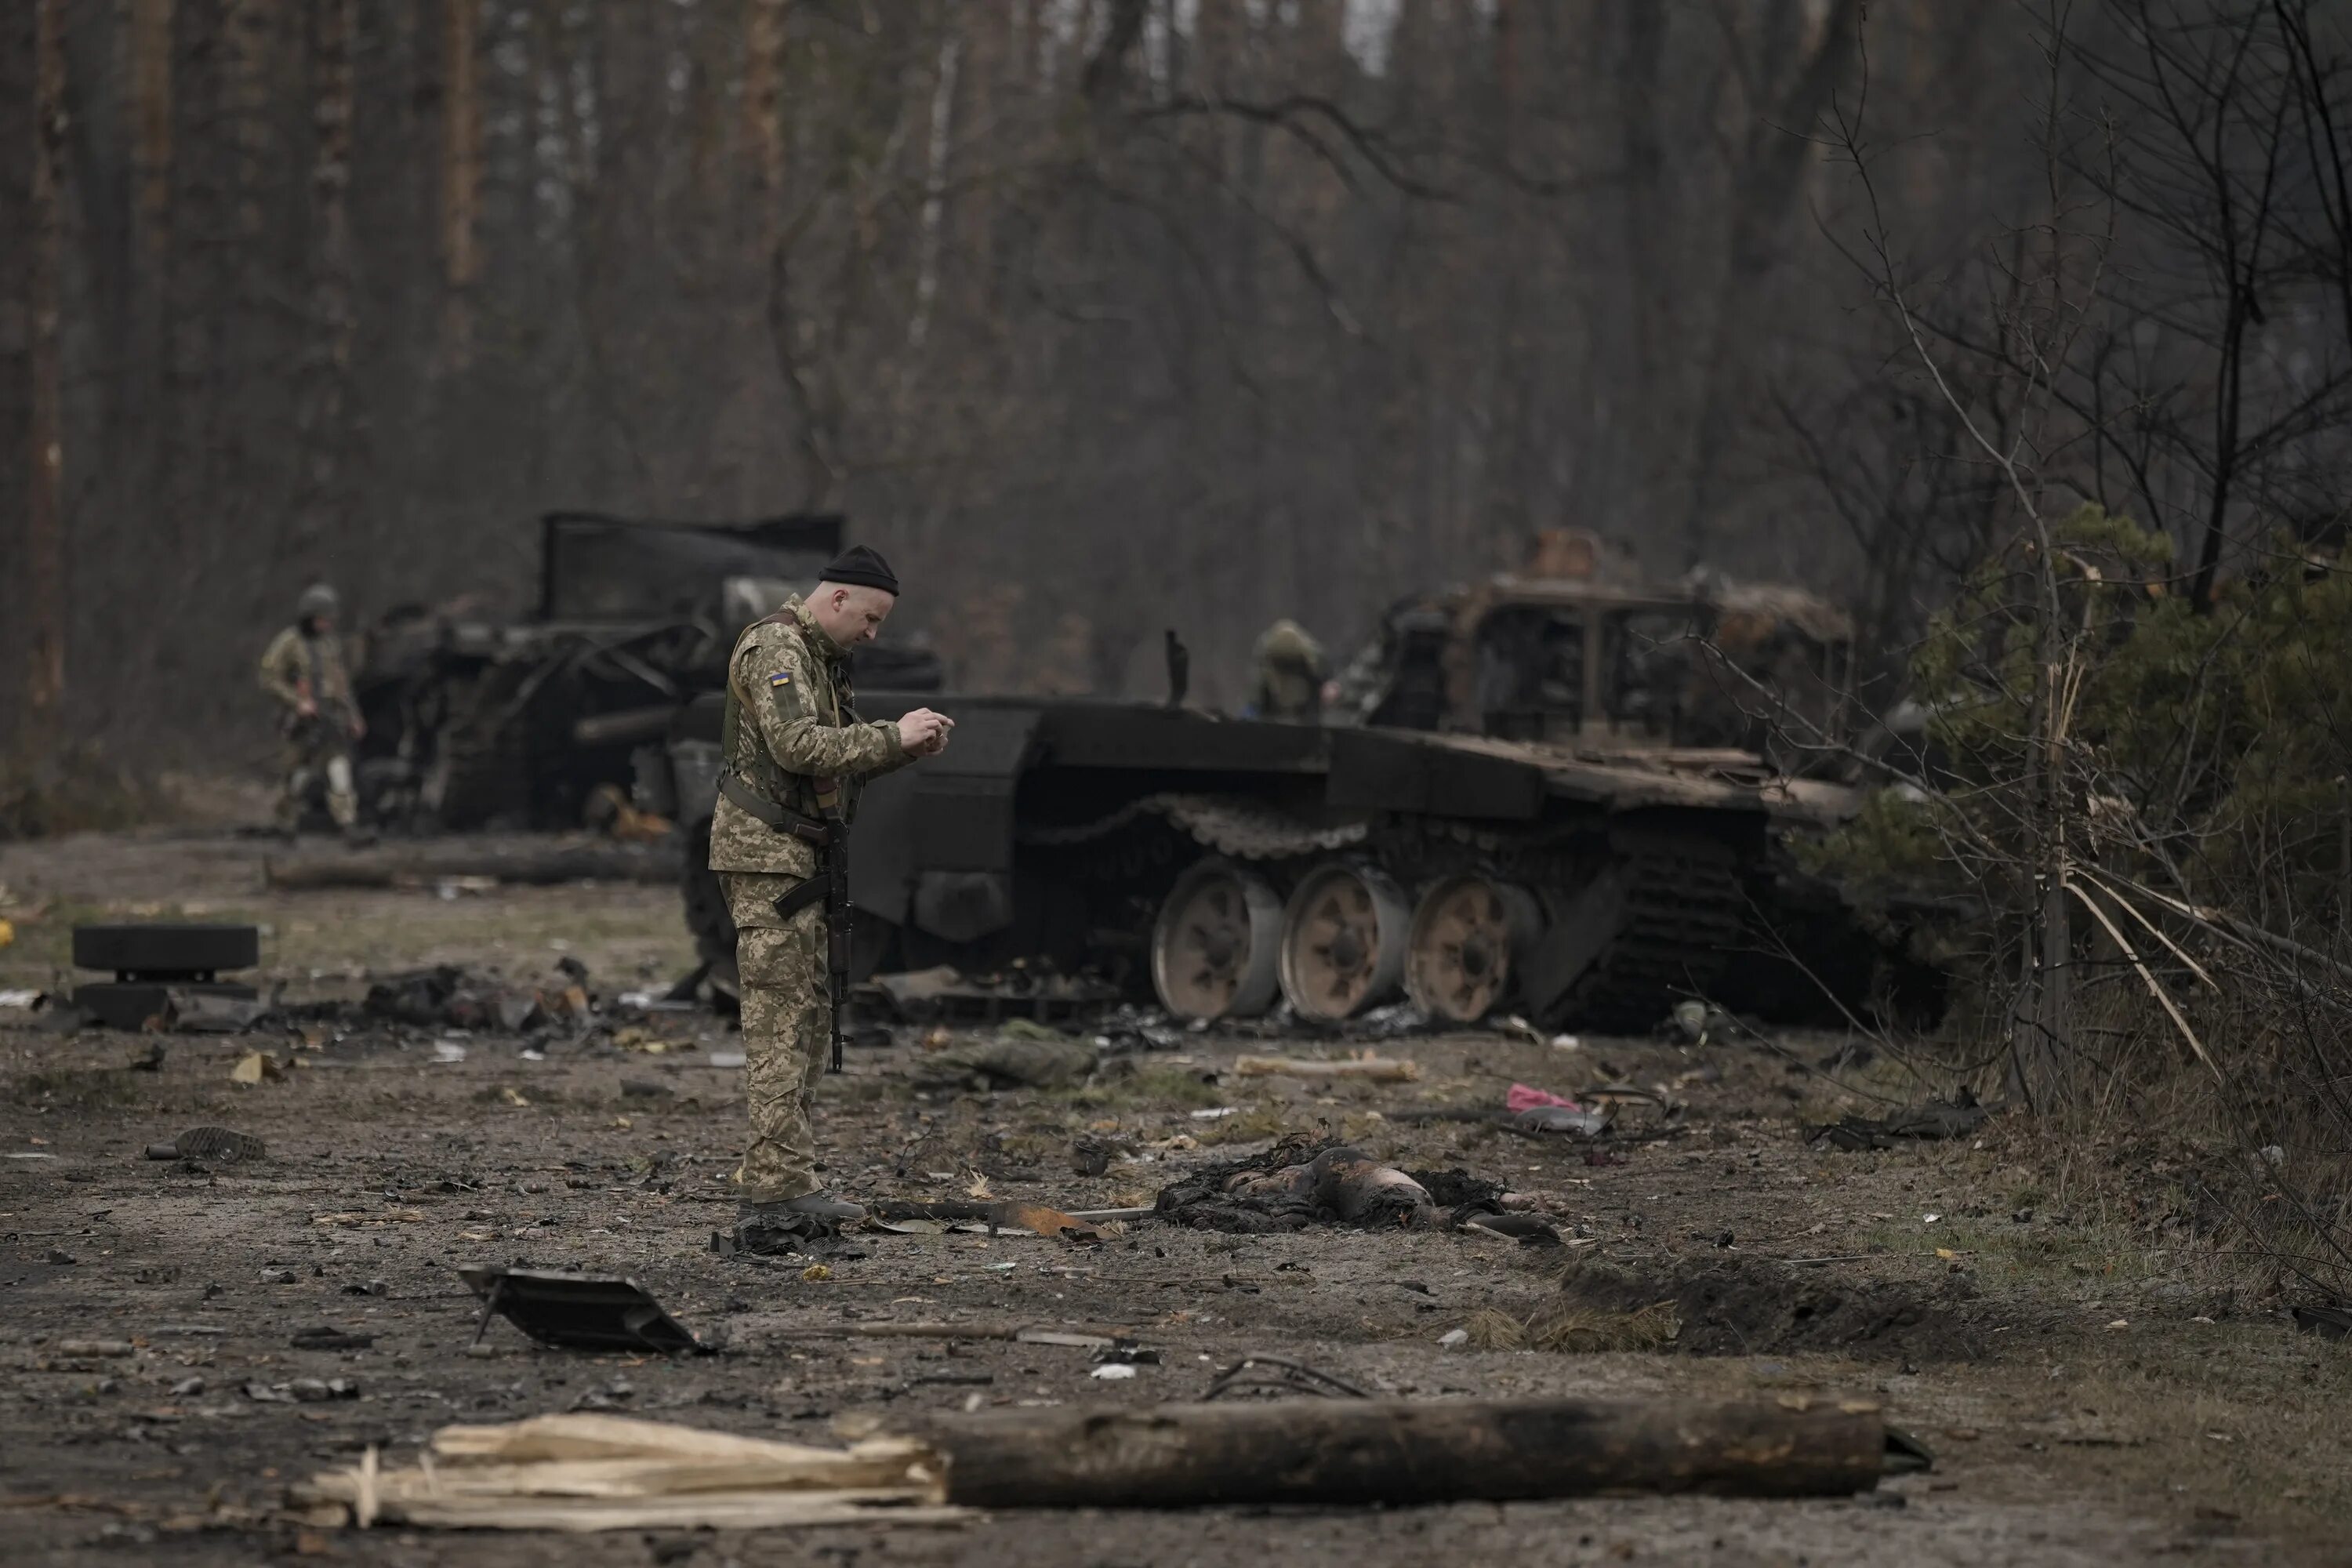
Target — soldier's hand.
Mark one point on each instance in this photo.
(306, 708)
(924, 733)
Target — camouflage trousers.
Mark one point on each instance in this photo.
(787, 1032)
(306, 757)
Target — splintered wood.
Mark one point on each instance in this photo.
(1372, 1070)
(608, 1472)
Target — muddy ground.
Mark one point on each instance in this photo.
(2096, 1378)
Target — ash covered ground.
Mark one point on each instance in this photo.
(2094, 1373)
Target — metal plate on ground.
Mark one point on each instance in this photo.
(120, 1004)
(580, 1311)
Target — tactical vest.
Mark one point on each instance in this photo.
(747, 757)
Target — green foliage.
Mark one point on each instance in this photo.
(2213, 746)
(1891, 843)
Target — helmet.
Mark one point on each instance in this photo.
(317, 600)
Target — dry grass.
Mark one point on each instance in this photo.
(1566, 1329)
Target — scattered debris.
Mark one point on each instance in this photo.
(1259, 1372)
(1564, 1120)
(1526, 1096)
(1372, 1068)
(1091, 1155)
(447, 996)
(1959, 1118)
(26, 1000)
(993, 1216)
(2328, 1323)
(925, 994)
(1009, 1060)
(590, 1472)
(1700, 1023)
(216, 1144)
(1112, 1371)
(303, 1391)
(256, 1067)
(103, 1348)
(192, 1011)
(330, 1339)
(577, 1311)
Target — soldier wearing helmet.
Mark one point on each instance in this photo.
(303, 670)
(1293, 676)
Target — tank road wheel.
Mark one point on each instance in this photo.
(1212, 946)
(1466, 934)
(1343, 941)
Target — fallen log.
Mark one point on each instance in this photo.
(594, 1473)
(528, 865)
(1398, 1452)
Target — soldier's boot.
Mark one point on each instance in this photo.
(343, 799)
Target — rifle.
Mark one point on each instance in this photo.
(835, 867)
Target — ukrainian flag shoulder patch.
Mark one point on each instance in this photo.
(783, 680)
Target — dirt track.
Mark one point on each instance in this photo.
(2058, 1439)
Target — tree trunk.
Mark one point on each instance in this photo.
(763, 126)
(44, 584)
(461, 180)
(1349, 1451)
(150, 93)
(325, 513)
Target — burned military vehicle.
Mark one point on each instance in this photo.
(1514, 823)
(474, 721)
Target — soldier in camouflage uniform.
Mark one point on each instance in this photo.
(795, 757)
(1292, 674)
(303, 669)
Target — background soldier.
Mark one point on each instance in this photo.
(303, 669)
(1291, 675)
(795, 756)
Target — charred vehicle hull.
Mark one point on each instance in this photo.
(475, 720)
(1231, 866)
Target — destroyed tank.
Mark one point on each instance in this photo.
(474, 721)
(1507, 818)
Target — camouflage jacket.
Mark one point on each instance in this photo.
(794, 735)
(295, 666)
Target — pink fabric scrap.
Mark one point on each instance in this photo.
(1525, 1097)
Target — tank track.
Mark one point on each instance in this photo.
(1685, 918)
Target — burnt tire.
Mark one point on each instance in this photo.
(166, 948)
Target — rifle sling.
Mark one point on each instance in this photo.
(783, 818)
